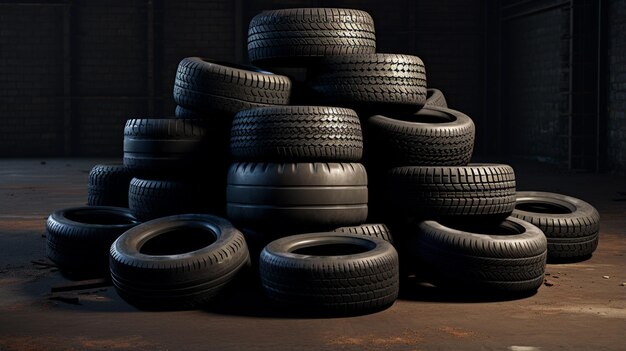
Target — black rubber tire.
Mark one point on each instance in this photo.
(149, 198)
(78, 238)
(214, 87)
(363, 280)
(433, 136)
(370, 80)
(167, 263)
(108, 185)
(168, 146)
(376, 230)
(571, 225)
(296, 37)
(296, 134)
(509, 256)
(185, 113)
(434, 97)
(296, 197)
(470, 192)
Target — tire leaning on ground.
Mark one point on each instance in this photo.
(78, 238)
(331, 272)
(509, 256)
(368, 81)
(430, 137)
(223, 89)
(375, 230)
(295, 37)
(292, 197)
(108, 185)
(181, 261)
(469, 192)
(296, 134)
(571, 225)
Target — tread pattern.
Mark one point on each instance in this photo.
(473, 190)
(411, 142)
(374, 230)
(208, 86)
(108, 185)
(297, 133)
(164, 146)
(294, 34)
(189, 280)
(388, 79)
(569, 235)
(149, 199)
(83, 247)
(331, 283)
(506, 263)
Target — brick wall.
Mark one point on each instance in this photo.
(534, 86)
(616, 123)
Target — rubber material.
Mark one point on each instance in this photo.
(434, 97)
(376, 230)
(108, 185)
(358, 282)
(572, 234)
(190, 278)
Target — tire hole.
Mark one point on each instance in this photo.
(178, 241)
(503, 228)
(100, 217)
(331, 250)
(542, 207)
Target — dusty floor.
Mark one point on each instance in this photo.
(584, 309)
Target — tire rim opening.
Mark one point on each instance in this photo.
(100, 217)
(178, 241)
(334, 249)
(503, 228)
(430, 117)
(542, 207)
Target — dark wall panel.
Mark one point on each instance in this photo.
(616, 123)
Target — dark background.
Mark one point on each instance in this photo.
(543, 80)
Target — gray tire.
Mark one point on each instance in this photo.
(434, 97)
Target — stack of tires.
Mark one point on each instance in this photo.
(284, 171)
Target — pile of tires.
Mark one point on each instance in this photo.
(297, 165)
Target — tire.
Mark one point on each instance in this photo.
(361, 81)
(108, 185)
(297, 37)
(509, 256)
(571, 225)
(175, 262)
(78, 238)
(470, 192)
(331, 272)
(433, 136)
(374, 230)
(215, 87)
(296, 197)
(434, 97)
(149, 199)
(185, 113)
(296, 134)
(168, 146)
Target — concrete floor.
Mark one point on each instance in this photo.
(584, 309)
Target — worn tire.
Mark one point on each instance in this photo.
(470, 192)
(571, 225)
(375, 230)
(181, 261)
(292, 197)
(509, 256)
(155, 147)
(331, 272)
(78, 238)
(296, 37)
(297, 134)
(434, 97)
(149, 198)
(108, 185)
(214, 87)
(433, 136)
(359, 81)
